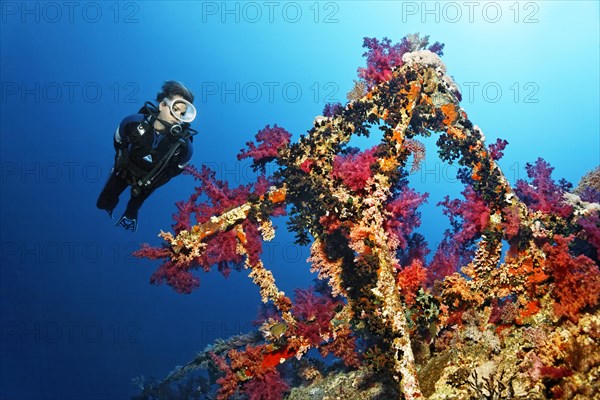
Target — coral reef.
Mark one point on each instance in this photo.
(506, 309)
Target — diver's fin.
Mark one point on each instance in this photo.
(127, 223)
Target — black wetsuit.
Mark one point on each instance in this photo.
(139, 149)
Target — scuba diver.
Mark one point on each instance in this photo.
(151, 147)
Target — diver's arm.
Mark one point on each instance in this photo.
(119, 139)
(124, 135)
(121, 152)
(127, 131)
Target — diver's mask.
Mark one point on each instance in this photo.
(183, 111)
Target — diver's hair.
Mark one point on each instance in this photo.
(174, 88)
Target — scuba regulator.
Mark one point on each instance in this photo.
(182, 110)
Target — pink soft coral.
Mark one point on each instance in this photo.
(211, 197)
(271, 140)
(591, 229)
(383, 57)
(354, 170)
(469, 217)
(446, 261)
(404, 217)
(543, 194)
(497, 149)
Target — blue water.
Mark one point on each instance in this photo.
(78, 317)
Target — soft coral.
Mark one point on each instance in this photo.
(543, 194)
(576, 279)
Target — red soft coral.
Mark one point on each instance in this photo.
(228, 384)
(269, 386)
(576, 279)
(249, 374)
(175, 275)
(314, 313)
(410, 279)
(220, 249)
(342, 346)
(219, 197)
(511, 221)
(354, 170)
(180, 280)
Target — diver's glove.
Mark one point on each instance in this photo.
(130, 224)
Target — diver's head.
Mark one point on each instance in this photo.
(175, 107)
(173, 88)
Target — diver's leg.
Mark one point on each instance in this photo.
(135, 203)
(129, 218)
(109, 197)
